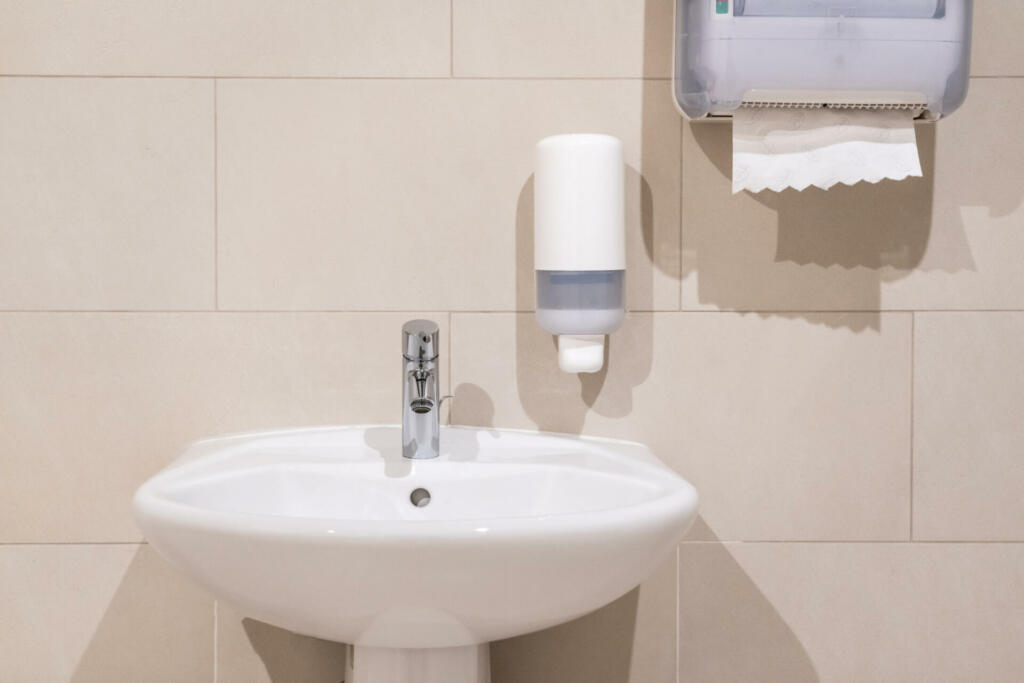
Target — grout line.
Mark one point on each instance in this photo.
(853, 542)
(216, 606)
(451, 389)
(913, 371)
(176, 311)
(216, 207)
(678, 607)
(384, 311)
(844, 310)
(682, 251)
(451, 46)
(224, 77)
(391, 78)
(69, 543)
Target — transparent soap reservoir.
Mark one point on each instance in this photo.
(580, 302)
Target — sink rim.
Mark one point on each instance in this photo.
(152, 501)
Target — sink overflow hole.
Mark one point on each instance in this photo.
(420, 498)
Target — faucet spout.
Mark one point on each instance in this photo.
(422, 391)
(421, 408)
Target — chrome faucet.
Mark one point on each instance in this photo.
(421, 406)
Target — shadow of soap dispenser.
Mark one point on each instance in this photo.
(579, 244)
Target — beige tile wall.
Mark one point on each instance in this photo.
(106, 194)
(214, 216)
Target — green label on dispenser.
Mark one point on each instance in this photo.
(721, 6)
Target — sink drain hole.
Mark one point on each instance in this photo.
(420, 498)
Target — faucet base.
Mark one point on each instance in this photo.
(467, 664)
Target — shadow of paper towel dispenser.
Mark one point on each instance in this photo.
(866, 54)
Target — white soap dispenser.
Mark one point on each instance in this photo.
(580, 244)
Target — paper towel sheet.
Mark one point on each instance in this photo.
(778, 148)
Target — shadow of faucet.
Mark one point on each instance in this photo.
(473, 407)
(387, 442)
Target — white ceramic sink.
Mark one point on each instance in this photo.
(315, 530)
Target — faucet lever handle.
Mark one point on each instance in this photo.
(420, 340)
(440, 404)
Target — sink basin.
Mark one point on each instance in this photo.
(330, 532)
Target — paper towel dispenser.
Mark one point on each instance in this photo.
(874, 54)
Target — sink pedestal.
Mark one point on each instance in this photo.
(469, 664)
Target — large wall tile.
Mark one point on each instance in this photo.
(100, 613)
(631, 640)
(106, 194)
(226, 38)
(850, 613)
(950, 240)
(969, 426)
(790, 428)
(997, 49)
(570, 38)
(402, 194)
(251, 651)
(93, 404)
